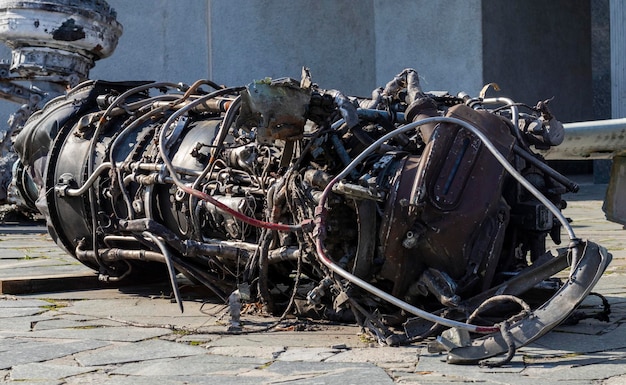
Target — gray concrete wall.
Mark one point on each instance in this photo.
(533, 49)
(618, 50)
(601, 58)
(276, 38)
(348, 47)
(537, 49)
(163, 40)
(442, 40)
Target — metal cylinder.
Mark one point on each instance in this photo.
(58, 37)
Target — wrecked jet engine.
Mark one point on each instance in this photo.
(410, 208)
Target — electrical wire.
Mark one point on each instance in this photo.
(170, 266)
(206, 197)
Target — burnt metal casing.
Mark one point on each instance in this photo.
(449, 199)
(60, 37)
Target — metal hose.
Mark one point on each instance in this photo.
(321, 212)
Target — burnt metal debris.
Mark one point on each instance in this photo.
(53, 45)
(415, 214)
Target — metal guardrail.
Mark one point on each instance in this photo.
(598, 139)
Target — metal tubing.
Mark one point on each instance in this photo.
(584, 276)
(562, 179)
(384, 295)
(170, 266)
(599, 139)
(74, 192)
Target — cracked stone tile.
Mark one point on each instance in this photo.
(435, 365)
(590, 367)
(170, 380)
(20, 312)
(588, 326)
(397, 371)
(307, 354)
(265, 353)
(196, 338)
(78, 317)
(38, 382)
(579, 343)
(378, 354)
(142, 310)
(82, 295)
(43, 371)
(49, 270)
(617, 380)
(13, 303)
(65, 323)
(327, 373)
(445, 379)
(22, 351)
(206, 364)
(139, 351)
(12, 343)
(19, 325)
(324, 338)
(117, 333)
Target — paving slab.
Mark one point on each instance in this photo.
(325, 337)
(140, 351)
(14, 325)
(12, 302)
(197, 365)
(436, 370)
(38, 382)
(266, 353)
(117, 333)
(67, 323)
(589, 367)
(329, 373)
(307, 354)
(142, 310)
(182, 380)
(195, 339)
(13, 312)
(32, 263)
(617, 380)
(23, 351)
(583, 343)
(37, 371)
(378, 354)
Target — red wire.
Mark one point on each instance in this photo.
(242, 217)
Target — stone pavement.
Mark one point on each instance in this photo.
(136, 335)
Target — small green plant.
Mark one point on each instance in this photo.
(54, 304)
